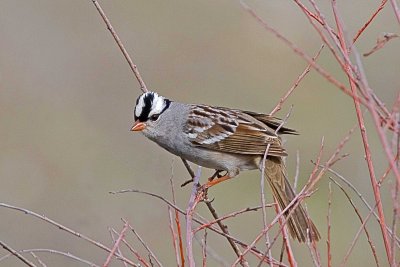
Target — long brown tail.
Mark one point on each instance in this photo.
(299, 225)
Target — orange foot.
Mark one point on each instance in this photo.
(212, 182)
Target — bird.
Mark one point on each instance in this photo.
(224, 139)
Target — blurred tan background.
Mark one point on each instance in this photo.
(66, 101)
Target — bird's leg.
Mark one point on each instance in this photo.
(217, 174)
(213, 182)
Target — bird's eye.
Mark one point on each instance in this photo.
(154, 117)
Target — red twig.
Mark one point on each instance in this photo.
(286, 242)
(309, 13)
(289, 209)
(362, 198)
(264, 259)
(331, 33)
(174, 237)
(112, 232)
(396, 210)
(360, 31)
(195, 197)
(386, 173)
(328, 218)
(54, 252)
(296, 83)
(116, 245)
(292, 206)
(204, 250)
(361, 220)
(302, 54)
(178, 224)
(222, 226)
(313, 254)
(233, 241)
(137, 255)
(230, 215)
(381, 42)
(143, 243)
(364, 136)
(396, 9)
(66, 229)
(346, 257)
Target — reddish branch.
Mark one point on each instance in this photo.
(178, 226)
(68, 230)
(346, 257)
(174, 237)
(55, 252)
(381, 42)
(230, 215)
(137, 255)
(328, 218)
(302, 54)
(143, 243)
(116, 245)
(286, 241)
(364, 136)
(360, 31)
(372, 246)
(396, 10)
(195, 197)
(296, 83)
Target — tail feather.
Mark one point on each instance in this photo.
(299, 225)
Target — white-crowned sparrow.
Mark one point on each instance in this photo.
(223, 139)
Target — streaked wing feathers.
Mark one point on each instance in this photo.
(231, 131)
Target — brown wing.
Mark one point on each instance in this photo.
(231, 131)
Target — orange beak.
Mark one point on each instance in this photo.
(138, 126)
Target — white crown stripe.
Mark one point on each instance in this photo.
(139, 106)
(157, 105)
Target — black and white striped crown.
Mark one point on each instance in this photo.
(150, 104)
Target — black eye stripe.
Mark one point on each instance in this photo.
(147, 103)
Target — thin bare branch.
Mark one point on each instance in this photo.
(352, 187)
(328, 218)
(396, 9)
(121, 46)
(56, 252)
(360, 31)
(143, 242)
(194, 199)
(38, 259)
(116, 245)
(372, 246)
(295, 84)
(346, 257)
(16, 254)
(66, 229)
(381, 42)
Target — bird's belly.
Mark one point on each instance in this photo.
(210, 158)
(222, 161)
